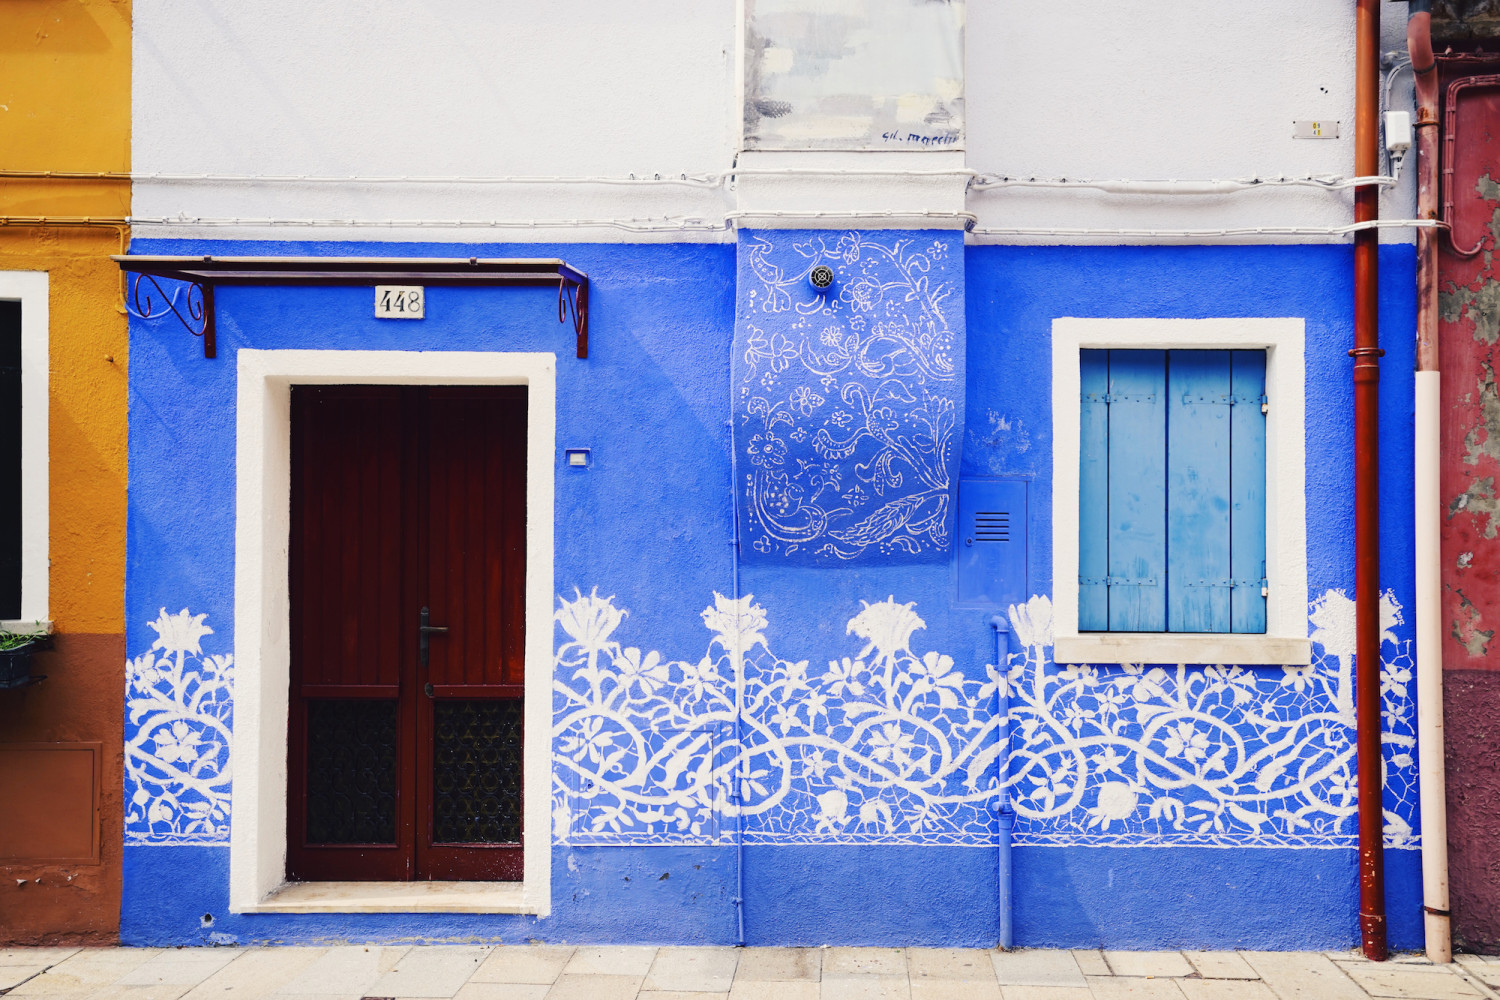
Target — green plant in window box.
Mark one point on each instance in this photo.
(16, 648)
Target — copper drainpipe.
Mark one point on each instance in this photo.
(1427, 489)
(1366, 354)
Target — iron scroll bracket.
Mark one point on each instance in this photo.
(200, 275)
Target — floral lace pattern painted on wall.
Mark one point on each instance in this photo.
(846, 398)
(178, 723)
(887, 743)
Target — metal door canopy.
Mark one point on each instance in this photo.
(205, 272)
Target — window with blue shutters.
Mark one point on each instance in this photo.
(1172, 491)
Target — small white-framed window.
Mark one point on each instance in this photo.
(23, 448)
(1284, 639)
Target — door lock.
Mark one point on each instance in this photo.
(424, 631)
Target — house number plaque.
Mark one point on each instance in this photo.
(399, 301)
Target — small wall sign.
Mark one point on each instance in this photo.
(399, 301)
(1315, 129)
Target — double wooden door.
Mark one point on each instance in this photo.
(407, 632)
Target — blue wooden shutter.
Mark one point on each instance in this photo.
(1137, 491)
(1247, 547)
(1172, 491)
(1093, 493)
(1199, 580)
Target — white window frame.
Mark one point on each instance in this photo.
(1285, 639)
(30, 289)
(257, 839)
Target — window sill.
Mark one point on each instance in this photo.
(396, 897)
(18, 626)
(1183, 647)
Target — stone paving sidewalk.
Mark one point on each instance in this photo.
(522, 972)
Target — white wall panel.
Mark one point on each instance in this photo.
(1090, 88)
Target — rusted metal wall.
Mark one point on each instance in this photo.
(1469, 301)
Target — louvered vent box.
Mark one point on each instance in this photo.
(991, 542)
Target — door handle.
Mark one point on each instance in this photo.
(424, 631)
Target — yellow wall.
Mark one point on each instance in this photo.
(65, 105)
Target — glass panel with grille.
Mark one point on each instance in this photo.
(351, 771)
(476, 797)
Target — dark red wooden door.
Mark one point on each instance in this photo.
(408, 508)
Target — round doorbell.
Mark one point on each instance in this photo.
(821, 277)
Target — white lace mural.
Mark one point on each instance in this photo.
(884, 743)
(846, 398)
(883, 740)
(178, 715)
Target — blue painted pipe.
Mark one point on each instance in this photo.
(738, 789)
(1005, 815)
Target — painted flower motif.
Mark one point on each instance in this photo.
(1075, 717)
(1183, 740)
(1332, 619)
(647, 673)
(806, 400)
(785, 718)
(777, 351)
(179, 714)
(1143, 685)
(589, 621)
(864, 294)
(833, 811)
(798, 434)
(873, 812)
(1032, 621)
(1081, 674)
(886, 626)
(1117, 801)
(815, 764)
(840, 419)
(143, 672)
(177, 745)
(934, 672)
(766, 450)
(1298, 678)
(832, 336)
(845, 675)
(700, 679)
(1393, 679)
(1238, 681)
(892, 745)
(736, 624)
(589, 741)
(848, 248)
(1108, 759)
(179, 633)
(817, 704)
(1109, 700)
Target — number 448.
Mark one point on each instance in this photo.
(398, 301)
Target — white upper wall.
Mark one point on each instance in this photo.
(1162, 89)
(606, 88)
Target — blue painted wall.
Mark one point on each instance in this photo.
(884, 844)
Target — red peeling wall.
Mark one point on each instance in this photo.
(1469, 329)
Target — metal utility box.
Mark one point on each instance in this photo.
(991, 542)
